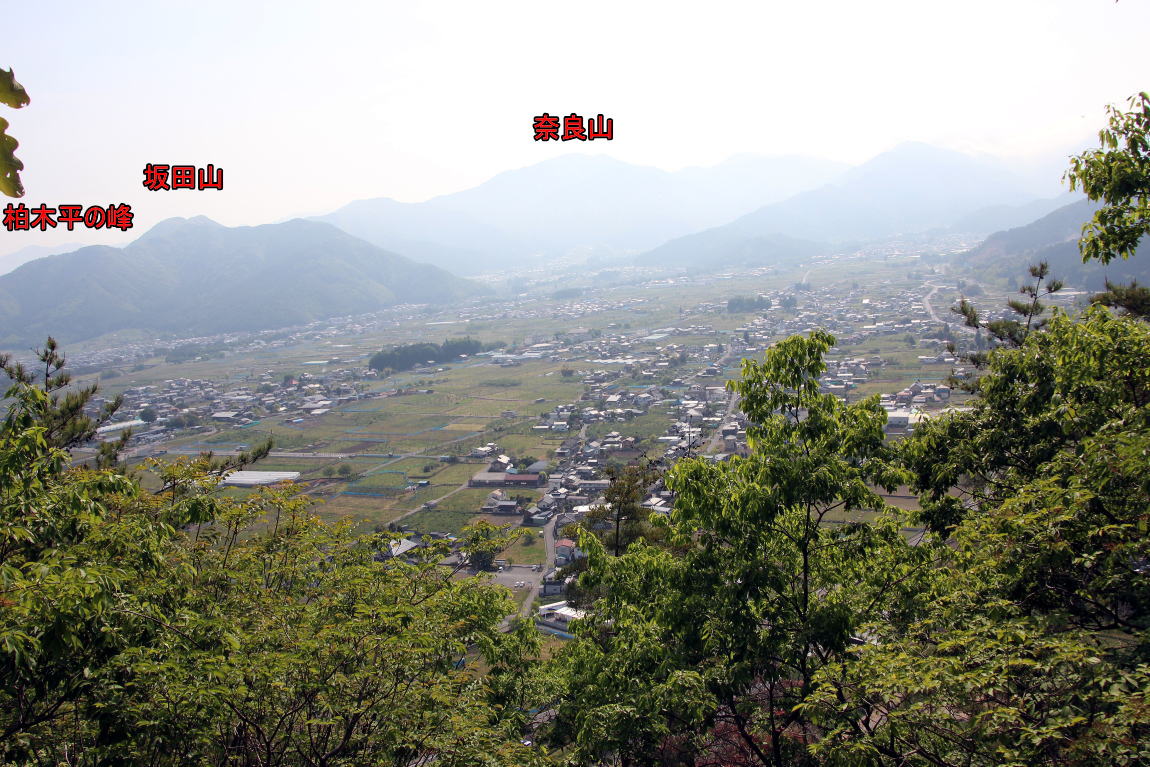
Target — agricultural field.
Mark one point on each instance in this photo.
(527, 549)
(450, 522)
(395, 441)
(368, 513)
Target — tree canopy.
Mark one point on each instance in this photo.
(405, 357)
(1118, 174)
(183, 627)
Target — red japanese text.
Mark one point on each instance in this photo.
(158, 176)
(21, 218)
(546, 128)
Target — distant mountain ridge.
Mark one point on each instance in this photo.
(995, 218)
(197, 277)
(910, 189)
(20, 257)
(574, 202)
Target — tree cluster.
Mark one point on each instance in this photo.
(740, 304)
(180, 627)
(788, 615)
(408, 356)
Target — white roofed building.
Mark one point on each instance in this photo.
(256, 478)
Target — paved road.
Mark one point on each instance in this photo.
(957, 324)
(525, 573)
(717, 437)
(732, 401)
(926, 303)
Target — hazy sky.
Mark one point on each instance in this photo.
(310, 105)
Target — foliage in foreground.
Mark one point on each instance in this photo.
(1010, 628)
(12, 94)
(702, 655)
(1034, 646)
(1117, 173)
(184, 628)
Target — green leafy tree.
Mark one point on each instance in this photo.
(740, 304)
(700, 654)
(1118, 174)
(1060, 387)
(483, 542)
(332, 659)
(621, 519)
(148, 415)
(181, 627)
(1033, 642)
(86, 574)
(186, 420)
(413, 355)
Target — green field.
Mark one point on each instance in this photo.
(450, 522)
(520, 552)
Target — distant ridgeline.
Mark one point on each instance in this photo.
(412, 355)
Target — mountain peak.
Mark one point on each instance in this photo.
(175, 224)
(198, 277)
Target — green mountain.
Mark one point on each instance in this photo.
(1053, 238)
(197, 277)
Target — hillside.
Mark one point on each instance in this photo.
(1053, 238)
(912, 188)
(194, 276)
(995, 218)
